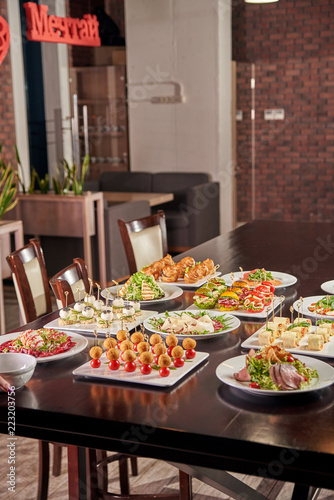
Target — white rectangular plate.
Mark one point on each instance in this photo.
(241, 313)
(89, 329)
(191, 285)
(326, 352)
(154, 379)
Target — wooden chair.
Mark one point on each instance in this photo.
(144, 240)
(30, 279)
(73, 279)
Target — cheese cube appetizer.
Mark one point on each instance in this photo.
(265, 337)
(298, 320)
(274, 328)
(281, 321)
(330, 327)
(324, 332)
(315, 342)
(300, 331)
(289, 339)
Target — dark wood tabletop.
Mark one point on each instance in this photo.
(201, 421)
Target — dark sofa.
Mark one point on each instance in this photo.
(192, 217)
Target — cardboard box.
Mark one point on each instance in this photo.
(106, 56)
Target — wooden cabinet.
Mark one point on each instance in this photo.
(102, 89)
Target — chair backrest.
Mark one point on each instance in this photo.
(30, 280)
(72, 279)
(144, 240)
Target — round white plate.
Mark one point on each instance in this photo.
(171, 292)
(328, 287)
(233, 324)
(286, 279)
(303, 306)
(227, 368)
(81, 343)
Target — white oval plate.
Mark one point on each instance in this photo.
(328, 287)
(190, 285)
(227, 368)
(304, 305)
(81, 343)
(234, 323)
(171, 292)
(286, 279)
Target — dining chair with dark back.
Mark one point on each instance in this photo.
(31, 284)
(144, 240)
(71, 283)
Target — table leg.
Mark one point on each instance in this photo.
(77, 486)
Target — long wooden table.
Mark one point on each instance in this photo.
(201, 421)
(154, 199)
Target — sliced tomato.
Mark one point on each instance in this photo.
(270, 285)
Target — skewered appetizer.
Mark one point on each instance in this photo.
(95, 353)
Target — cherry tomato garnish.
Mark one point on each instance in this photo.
(169, 350)
(305, 378)
(146, 369)
(164, 371)
(152, 349)
(190, 353)
(254, 385)
(130, 366)
(290, 359)
(178, 362)
(156, 360)
(122, 356)
(114, 364)
(119, 344)
(95, 363)
(258, 356)
(135, 347)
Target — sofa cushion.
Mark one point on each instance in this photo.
(139, 182)
(170, 182)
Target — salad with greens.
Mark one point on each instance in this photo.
(273, 368)
(188, 323)
(39, 343)
(141, 287)
(323, 306)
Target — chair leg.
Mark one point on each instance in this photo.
(134, 466)
(124, 475)
(102, 471)
(56, 468)
(185, 486)
(43, 470)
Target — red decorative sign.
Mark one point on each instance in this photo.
(44, 28)
(4, 38)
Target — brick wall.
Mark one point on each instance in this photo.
(292, 45)
(7, 125)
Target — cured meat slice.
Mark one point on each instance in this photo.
(242, 375)
(290, 375)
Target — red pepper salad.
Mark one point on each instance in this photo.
(39, 343)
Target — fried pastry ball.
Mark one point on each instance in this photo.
(177, 351)
(159, 349)
(112, 354)
(122, 335)
(96, 352)
(164, 360)
(137, 337)
(189, 343)
(109, 343)
(146, 358)
(155, 339)
(142, 347)
(125, 345)
(171, 340)
(129, 355)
